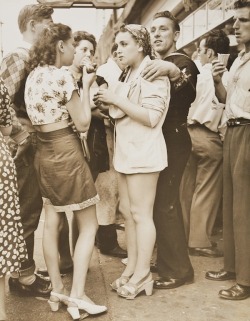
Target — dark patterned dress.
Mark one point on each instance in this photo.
(12, 244)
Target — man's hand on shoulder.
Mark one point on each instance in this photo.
(158, 68)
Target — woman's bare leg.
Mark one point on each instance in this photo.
(87, 226)
(130, 229)
(52, 224)
(141, 190)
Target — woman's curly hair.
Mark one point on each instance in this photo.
(43, 51)
(84, 35)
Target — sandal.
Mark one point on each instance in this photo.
(123, 279)
(130, 290)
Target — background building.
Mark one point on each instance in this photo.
(196, 17)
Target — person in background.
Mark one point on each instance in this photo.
(201, 188)
(236, 162)
(106, 183)
(173, 263)
(52, 102)
(139, 108)
(12, 244)
(32, 20)
(107, 242)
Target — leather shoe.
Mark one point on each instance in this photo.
(205, 251)
(221, 275)
(44, 272)
(40, 287)
(116, 252)
(166, 283)
(236, 292)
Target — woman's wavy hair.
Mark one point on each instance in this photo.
(140, 35)
(43, 51)
(84, 35)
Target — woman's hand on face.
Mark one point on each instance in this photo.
(218, 69)
(87, 78)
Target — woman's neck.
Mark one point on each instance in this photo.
(134, 67)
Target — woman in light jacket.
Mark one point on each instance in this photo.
(139, 108)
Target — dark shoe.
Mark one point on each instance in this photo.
(220, 275)
(205, 251)
(116, 252)
(153, 267)
(236, 292)
(44, 272)
(169, 283)
(40, 287)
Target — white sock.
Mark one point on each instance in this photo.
(27, 280)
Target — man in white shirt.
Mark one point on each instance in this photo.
(236, 163)
(201, 190)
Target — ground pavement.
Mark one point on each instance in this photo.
(195, 302)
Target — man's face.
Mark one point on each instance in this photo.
(163, 36)
(202, 52)
(242, 26)
(40, 25)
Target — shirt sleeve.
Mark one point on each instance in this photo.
(155, 96)
(13, 72)
(184, 89)
(68, 84)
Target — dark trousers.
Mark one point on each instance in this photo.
(106, 236)
(172, 254)
(236, 202)
(30, 202)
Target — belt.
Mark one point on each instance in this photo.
(232, 122)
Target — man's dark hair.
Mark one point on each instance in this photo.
(36, 12)
(84, 35)
(241, 4)
(169, 15)
(218, 41)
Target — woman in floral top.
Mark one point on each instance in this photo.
(52, 102)
(12, 245)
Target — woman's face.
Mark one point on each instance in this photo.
(83, 52)
(69, 51)
(127, 49)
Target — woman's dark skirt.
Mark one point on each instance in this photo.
(63, 174)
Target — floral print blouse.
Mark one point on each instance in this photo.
(47, 91)
(5, 116)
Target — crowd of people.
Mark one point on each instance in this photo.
(180, 150)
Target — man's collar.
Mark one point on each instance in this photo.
(244, 55)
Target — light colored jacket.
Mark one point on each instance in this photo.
(140, 148)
